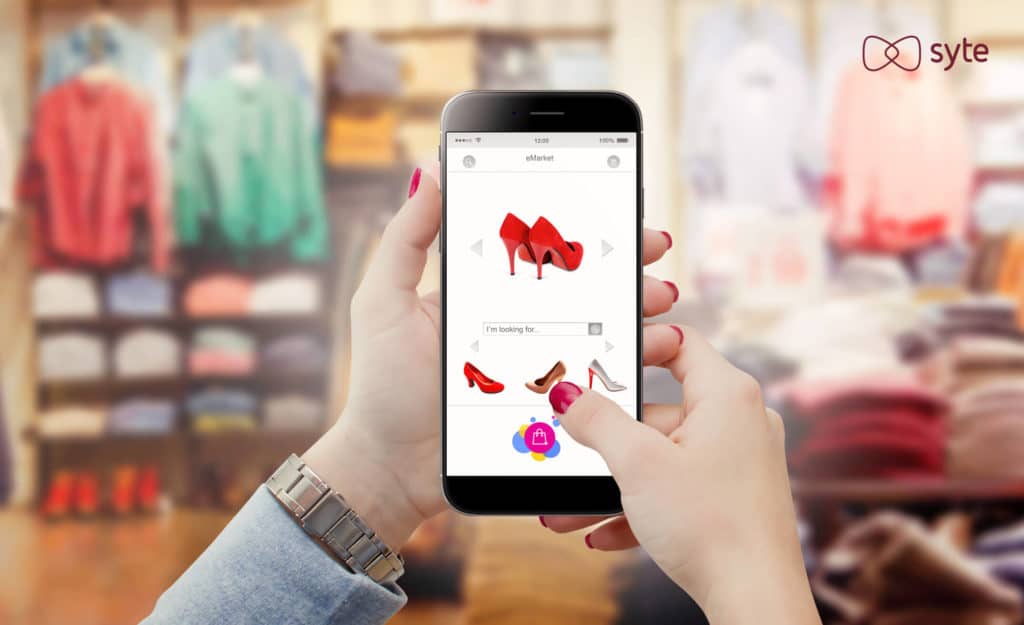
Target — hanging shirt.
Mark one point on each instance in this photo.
(714, 39)
(219, 48)
(246, 170)
(91, 166)
(752, 129)
(132, 54)
(901, 160)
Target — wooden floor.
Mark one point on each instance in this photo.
(106, 572)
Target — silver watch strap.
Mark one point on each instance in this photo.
(326, 516)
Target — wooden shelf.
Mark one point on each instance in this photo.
(317, 320)
(162, 385)
(155, 385)
(908, 491)
(467, 30)
(104, 438)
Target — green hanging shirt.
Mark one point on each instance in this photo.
(245, 164)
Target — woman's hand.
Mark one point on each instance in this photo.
(704, 489)
(384, 453)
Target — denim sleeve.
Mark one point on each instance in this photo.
(264, 569)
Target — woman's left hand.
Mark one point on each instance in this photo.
(384, 453)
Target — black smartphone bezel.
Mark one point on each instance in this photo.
(537, 111)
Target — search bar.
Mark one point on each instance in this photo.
(542, 328)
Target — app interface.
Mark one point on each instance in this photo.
(541, 279)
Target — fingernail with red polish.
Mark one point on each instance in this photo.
(586, 539)
(541, 519)
(415, 182)
(675, 290)
(563, 395)
(679, 331)
(669, 237)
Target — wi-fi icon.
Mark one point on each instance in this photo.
(478, 139)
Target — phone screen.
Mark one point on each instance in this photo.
(559, 210)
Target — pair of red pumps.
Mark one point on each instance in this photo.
(538, 244)
(71, 492)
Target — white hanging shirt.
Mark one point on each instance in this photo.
(756, 112)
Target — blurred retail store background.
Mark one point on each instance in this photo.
(175, 300)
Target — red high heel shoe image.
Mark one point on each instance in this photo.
(546, 242)
(516, 235)
(476, 377)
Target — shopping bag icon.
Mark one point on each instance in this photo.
(540, 438)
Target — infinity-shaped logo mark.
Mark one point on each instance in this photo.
(878, 53)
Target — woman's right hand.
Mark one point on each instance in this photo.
(704, 489)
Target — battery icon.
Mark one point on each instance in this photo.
(621, 139)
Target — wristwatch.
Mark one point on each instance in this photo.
(325, 516)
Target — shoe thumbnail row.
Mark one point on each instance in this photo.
(540, 385)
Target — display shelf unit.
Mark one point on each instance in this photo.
(181, 453)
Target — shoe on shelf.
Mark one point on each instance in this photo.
(595, 368)
(87, 494)
(125, 488)
(57, 502)
(549, 379)
(149, 489)
(475, 377)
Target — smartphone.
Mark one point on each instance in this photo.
(541, 282)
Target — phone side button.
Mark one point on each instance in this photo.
(643, 203)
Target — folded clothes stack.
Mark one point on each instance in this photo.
(138, 294)
(294, 353)
(70, 356)
(218, 295)
(976, 359)
(141, 415)
(63, 294)
(288, 293)
(146, 352)
(72, 420)
(220, 350)
(985, 265)
(365, 66)
(293, 412)
(984, 316)
(890, 569)
(986, 431)
(216, 409)
(871, 426)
